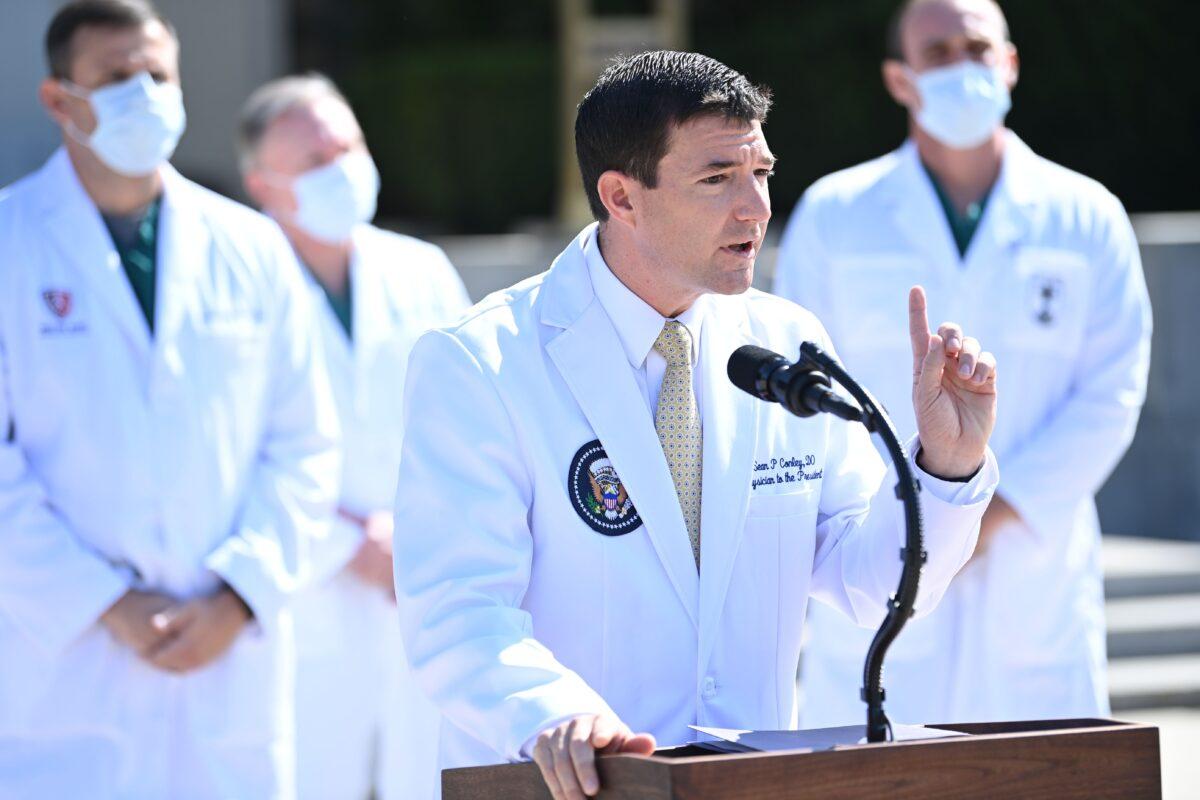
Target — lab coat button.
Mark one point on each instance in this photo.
(710, 688)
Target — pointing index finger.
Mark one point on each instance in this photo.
(918, 323)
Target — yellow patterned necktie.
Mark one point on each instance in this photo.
(678, 424)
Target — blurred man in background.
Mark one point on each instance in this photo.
(362, 725)
(167, 447)
(1042, 263)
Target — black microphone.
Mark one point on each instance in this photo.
(800, 388)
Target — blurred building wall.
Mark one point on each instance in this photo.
(26, 135)
(1155, 491)
(228, 48)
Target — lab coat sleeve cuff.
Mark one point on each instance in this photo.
(242, 571)
(75, 609)
(331, 554)
(978, 489)
(951, 512)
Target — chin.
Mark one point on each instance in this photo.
(734, 283)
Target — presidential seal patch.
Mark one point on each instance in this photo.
(597, 493)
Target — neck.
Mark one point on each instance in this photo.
(113, 193)
(642, 276)
(328, 263)
(966, 176)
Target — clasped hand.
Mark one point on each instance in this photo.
(177, 636)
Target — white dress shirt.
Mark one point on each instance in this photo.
(638, 326)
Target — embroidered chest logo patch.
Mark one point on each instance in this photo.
(58, 301)
(597, 493)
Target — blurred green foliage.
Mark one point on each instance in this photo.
(459, 97)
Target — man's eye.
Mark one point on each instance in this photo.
(765, 173)
(713, 180)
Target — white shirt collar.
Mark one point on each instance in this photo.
(638, 324)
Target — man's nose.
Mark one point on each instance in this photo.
(754, 205)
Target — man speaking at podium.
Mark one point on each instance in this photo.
(599, 539)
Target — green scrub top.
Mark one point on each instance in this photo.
(963, 226)
(136, 239)
(342, 308)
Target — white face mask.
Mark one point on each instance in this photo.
(963, 104)
(333, 199)
(138, 123)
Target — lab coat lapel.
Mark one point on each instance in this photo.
(917, 214)
(605, 389)
(373, 321)
(74, 224)
(373, 324)
(730, 435)
(185, 248)
(1009, 211)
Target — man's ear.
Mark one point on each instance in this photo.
(54, 100)
(256, 188)
(617, 191)
(1014, 65)
(897, 81)
(267, 195)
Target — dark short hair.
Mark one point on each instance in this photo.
(624, 122)
(93, 13)
(893, 46)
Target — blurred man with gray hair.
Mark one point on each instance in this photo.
(362, 726)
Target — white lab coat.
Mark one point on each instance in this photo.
(1052, 284)
(362, 724)
(516, 614)
(170, 463)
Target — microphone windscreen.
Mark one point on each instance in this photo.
(746, 366)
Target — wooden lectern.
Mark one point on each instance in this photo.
(1055, 759)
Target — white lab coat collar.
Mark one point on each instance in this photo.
(372, 309)
(917, 210)
(74, 222)
(569, 301)
(581, 352)
(369, 310)
(637, 323)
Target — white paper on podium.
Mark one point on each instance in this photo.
(813, 738)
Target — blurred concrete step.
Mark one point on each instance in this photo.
(1154, 682)
(1138, 567)
(1155, 625)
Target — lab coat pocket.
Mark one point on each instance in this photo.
(781, 534)
(232, 355)
(1047, 300)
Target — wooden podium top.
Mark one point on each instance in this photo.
(1051, 759)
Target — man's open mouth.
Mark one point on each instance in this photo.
(743, 249)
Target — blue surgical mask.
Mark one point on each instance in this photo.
(138, 123)
(332, 200)
(962, 105)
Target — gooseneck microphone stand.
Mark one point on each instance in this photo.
(803, 389)
(912, 555)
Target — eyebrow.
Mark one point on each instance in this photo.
(712, 166)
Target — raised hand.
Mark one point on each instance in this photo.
(954, 394)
